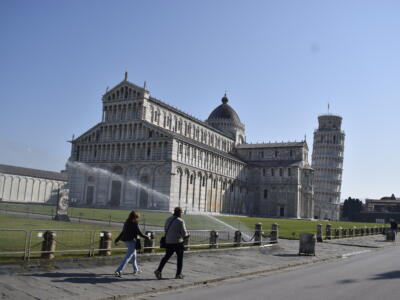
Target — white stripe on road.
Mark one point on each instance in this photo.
(346, 255)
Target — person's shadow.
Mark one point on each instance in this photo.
(89, 278)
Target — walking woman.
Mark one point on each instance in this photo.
(129, 235)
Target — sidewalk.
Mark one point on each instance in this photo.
(85, 281)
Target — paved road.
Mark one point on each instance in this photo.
(364, 274)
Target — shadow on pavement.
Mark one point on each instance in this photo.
(287, 255)
(387, 275)
(100, 280)
(346, 281)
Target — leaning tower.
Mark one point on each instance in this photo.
(327, 162)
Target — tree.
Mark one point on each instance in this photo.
(351, 208)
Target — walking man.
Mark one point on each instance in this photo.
(175, 232)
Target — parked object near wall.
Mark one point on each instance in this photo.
(390, 235)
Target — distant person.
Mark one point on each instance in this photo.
(394, 226)
(129, 235)
(175, 232)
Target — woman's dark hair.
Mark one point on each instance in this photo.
(133, 216)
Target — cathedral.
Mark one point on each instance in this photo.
(175, 159)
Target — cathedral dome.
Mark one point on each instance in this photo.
(224, 112)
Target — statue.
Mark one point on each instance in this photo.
(62, 205)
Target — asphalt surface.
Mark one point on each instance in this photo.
(364, 275)
(221, 268)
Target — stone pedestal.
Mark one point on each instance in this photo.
(328, 231)
(213, 239)
(307, 244)
(48, 245)
(237, 238)
(337, 232)
(186, 242)
(258, 234)
(105, 243)
(149, 244)
(319, 233)
(274, 233)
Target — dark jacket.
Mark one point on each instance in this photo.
(130, 232)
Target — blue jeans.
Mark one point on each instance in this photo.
(130, 256)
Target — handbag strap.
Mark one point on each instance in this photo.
(169, 225)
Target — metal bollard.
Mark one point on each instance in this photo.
(237, 238)
(48, 245)
(213, 239)
(274, 233)
(105, 243)
(328, 231)
(258, 234)
(150, 243)
(319, 233)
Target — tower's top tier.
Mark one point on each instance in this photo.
(329, 122)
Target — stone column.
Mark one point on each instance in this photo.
(274, 233)
(186, 243)
(337, 233)
(48, 245)
(213, 239)
(319, 233)
(105, 243)
(351, 232)
(258, 234)
(237, 239)
(328, 231)
(149, 244)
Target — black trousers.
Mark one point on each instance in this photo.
(169, 251)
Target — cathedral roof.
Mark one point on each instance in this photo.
(280, 163)
(193, 142)
(183, 114)
(14, 170)
(272, 145)
(225, 112)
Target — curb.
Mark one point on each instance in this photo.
(219, 279)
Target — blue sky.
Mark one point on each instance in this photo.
(280, 62)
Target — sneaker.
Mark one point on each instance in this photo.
(180, 276)
(158, 274)
(118, 274)
(137, 272)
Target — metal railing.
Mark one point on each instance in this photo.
(36, 243)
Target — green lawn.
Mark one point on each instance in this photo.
(288, 228)
(68, 235)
